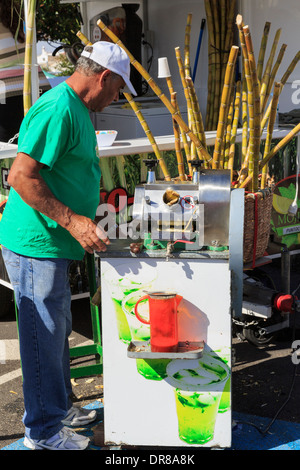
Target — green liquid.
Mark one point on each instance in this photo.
(225, 399)
(122, 324)
(152, 369)
(119, 292)
(196, 412)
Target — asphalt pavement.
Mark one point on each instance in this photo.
(265, 379)
(85, 390)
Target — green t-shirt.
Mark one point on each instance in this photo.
(57, 131)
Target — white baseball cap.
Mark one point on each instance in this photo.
(112, 57)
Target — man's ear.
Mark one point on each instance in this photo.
(103, 77)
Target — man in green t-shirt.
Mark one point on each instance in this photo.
(48, 221)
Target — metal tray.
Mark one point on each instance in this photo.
(186, 350)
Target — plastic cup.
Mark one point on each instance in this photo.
(224, 355)
(163, 68)
(198, 387)
(139, 331)
(120, 286)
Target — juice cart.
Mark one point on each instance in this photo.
(167, 301)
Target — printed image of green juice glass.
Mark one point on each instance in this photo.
(224, 355)
(151, 369)
(198, 386)
(120, 286)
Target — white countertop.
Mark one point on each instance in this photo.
(142, 145)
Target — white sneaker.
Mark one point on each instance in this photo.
(65, 439)
(79, 417)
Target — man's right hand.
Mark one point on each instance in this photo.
(90, 236)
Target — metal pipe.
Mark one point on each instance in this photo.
(285, 270)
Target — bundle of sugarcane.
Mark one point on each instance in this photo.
(195, 120)
(220, 25)
(259, 103)
(257, 87)
(28, 55)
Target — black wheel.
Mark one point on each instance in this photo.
(256, 337)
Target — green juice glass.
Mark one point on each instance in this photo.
(151, 369)
(120, 286)
(224, 355)
(198, 387)
(196, 413)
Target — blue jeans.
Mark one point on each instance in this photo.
(43, 297)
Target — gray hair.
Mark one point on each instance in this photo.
(88, 67)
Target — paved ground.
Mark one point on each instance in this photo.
(86, 390)
(265, 380)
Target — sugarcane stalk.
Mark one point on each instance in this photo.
(282, 143)
(27, 101)
(274, 103)
(266, 76)
(178, 152)
(262, 50)
(83, 38)
(157, 91)
(226, 93)
(106, 173)
(244, 119)
(248, 77)
(187, 64)
(183, 134)
(181, 69)
(283, 81)
(191, 116)
(274, 71)
(234, 125)
(223, 163)
(120, 163)
(192, 149)
(254, 144)
(196, 110)
(149, 135)
(229, 36)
